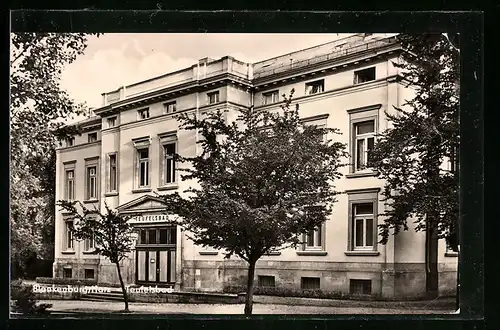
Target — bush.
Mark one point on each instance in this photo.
(287, 292)
(24, 300)
(65, 281)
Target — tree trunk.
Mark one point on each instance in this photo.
(249, 296)
(124, 290)
(431, 262)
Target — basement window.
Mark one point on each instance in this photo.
(360, 287)
(89, 274)
(309, 283)
(266, 281)
(365, 75)
(67, 273)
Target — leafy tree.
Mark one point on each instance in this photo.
(24, 300)
(264, 180)
(111, 232)
(418, 156)
(37, 105)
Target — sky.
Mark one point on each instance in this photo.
(113, 60)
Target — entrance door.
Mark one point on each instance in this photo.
(156, 254)
(156, 266)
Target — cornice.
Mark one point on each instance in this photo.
(363, 190)
(172, 92)
(365, 108)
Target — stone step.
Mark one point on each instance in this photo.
(115, 296)
(99, 299)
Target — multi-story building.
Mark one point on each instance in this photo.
(125, 155)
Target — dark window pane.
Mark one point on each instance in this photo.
(143, 236)
(318, 236)
(168, 174)
(369, 232)
(360, 286)
(359, 232)
(360, 153)
(142, 174)
(89, 273)
(366, 127)
(173, 235)
(310, 238)
(67, 273)
(364, 208)
(152, 236)
(144, 153)
(170, 149)
(371, 143)
(163, 236)
(310, 283)
(267, 281)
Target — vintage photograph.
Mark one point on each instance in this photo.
(224, 173)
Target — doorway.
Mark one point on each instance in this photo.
(156, 255)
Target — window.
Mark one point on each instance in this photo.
(363, 225)
(314, 239)
(266, 281)
(70, 142)
(111, 122)
(169, 150)
(161, 235)
(365, 75)
(363, 128)
(141, 162)
(143, 113)
(89, 274)
(309, 283)
(360, 287)
(213, 97)
(143, 167)
(113, 173)
(168, 171)
(364, 141)
(91, 178)
(69, 235)
(363, 220)
(315, 87)
(170, 107)
(92, 137)
(67, 273)
(271, 97)
(89, 244)
(91, 182)
(70, 185)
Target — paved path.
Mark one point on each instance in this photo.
(100, 307)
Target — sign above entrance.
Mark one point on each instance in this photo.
(151, 218)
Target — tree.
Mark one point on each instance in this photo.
(419, 156)
(264, 181)
(37, 105)
(111, 232)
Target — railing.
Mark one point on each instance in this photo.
(158, 87)
(282, 67)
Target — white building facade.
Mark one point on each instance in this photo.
(125, 155)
